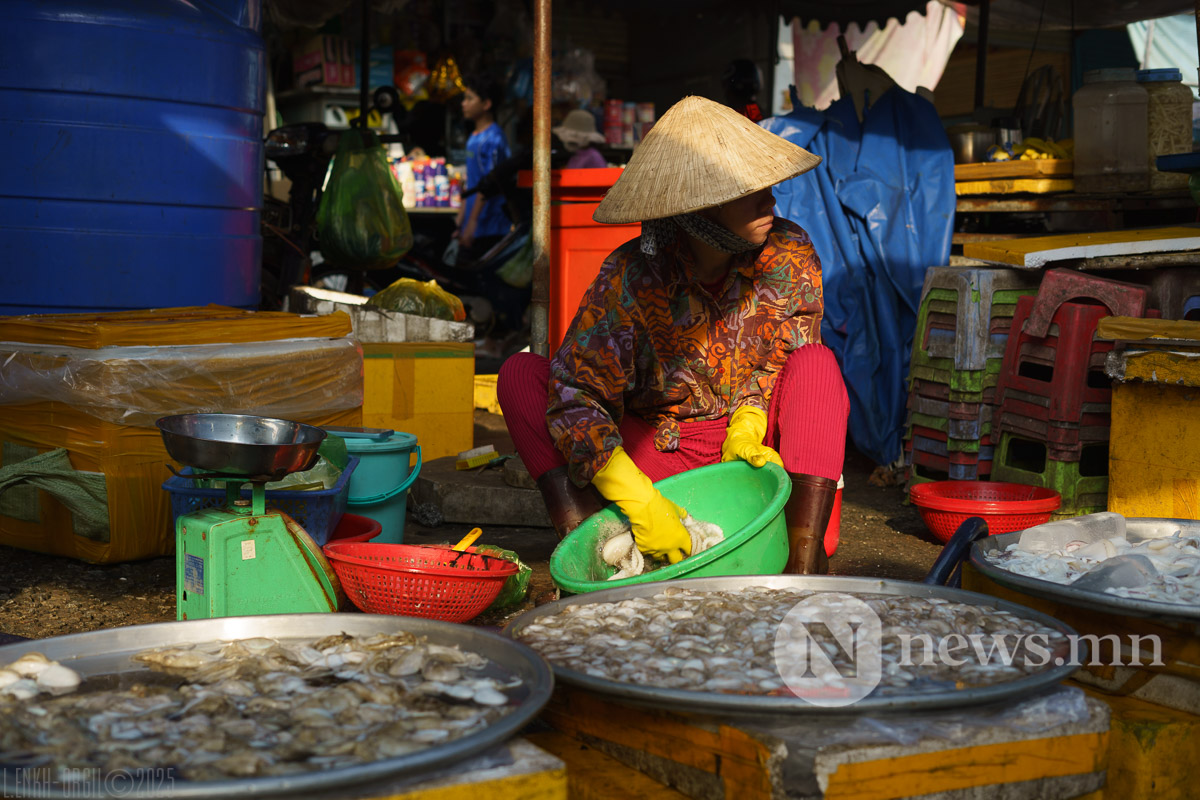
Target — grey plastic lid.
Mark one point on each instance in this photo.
(1110, 75)
(1151, 75)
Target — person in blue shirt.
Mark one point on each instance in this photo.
(482, 221)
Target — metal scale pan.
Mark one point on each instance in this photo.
(722, 703)
(109, 652)
(1137, 529)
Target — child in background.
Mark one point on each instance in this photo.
(579, 136)
(481, 221)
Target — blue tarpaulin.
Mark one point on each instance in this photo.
(879, 209)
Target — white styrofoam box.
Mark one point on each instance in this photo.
(375, 325)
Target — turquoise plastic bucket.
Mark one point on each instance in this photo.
(379, 486)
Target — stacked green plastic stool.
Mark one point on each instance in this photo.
(962, 331)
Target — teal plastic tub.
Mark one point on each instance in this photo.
(379, 487)
(746, 502)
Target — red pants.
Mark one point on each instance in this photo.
(806, 420)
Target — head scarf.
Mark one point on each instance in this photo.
(657, 233)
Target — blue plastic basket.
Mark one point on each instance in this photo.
(318, 511)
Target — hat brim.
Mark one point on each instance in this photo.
(701, 154)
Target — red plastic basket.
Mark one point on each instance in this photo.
(418, 581)
(1006, 507)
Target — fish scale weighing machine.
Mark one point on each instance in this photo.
(242, 559)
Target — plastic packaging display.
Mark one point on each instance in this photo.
(1038, 714)
(1169, 123)
(361, 221)
(93, 384)
(1111, 120)
(137, 385)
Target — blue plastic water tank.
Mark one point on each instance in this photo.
(133, 167)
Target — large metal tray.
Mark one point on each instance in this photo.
(736, 704)
(109, 651)
(1137, 529)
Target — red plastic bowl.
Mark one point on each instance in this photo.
(1006, 507)
(354, 528)
(419, 580)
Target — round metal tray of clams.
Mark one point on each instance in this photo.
(715, 702)
(109, 652)
(1137, 529)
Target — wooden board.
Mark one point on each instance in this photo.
(516, 771)
(1015, 186)
(1042, 250)
(706, 756)
(1014, 169)
(592, 775)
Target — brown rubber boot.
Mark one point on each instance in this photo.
(568, 505)
(807, 514)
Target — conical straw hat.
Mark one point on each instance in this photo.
(700, 154)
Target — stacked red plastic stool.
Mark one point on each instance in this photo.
(1054, 399)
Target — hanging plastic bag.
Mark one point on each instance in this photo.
(518, 270)
(361, 221)
(425, 299)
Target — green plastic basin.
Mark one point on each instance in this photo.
(746, 502)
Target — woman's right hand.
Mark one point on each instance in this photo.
(657, 522)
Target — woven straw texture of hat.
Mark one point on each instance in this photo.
(700, 154)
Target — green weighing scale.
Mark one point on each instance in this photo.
(243, 559)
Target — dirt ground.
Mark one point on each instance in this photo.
(42, 596)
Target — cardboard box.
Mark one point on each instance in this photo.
(422, 388)
(324, 60)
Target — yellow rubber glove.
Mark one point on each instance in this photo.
(655, 520)
(744, 436)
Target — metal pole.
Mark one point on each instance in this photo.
(985, 12)
(539, 310)
(1198, 30)
(364, 101)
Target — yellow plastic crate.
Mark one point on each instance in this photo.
(422, 388)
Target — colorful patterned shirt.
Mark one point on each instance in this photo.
(649, 340)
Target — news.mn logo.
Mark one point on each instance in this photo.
(827, 650)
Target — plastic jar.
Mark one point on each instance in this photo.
(1111, 119)
(1169, 123)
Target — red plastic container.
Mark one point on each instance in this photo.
(1006, 507)
(833, 531)
(418, 581)
(578, 244)
(354, 528)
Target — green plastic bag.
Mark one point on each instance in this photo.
(518, 270)
(361, 222)
(422, 298)
(516, 587)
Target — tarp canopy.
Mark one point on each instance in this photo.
(879, 209)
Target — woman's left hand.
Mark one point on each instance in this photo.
(744, 438)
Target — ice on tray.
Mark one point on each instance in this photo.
(1087, 530)
(1161, 563)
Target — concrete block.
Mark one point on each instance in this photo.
(478, 496)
